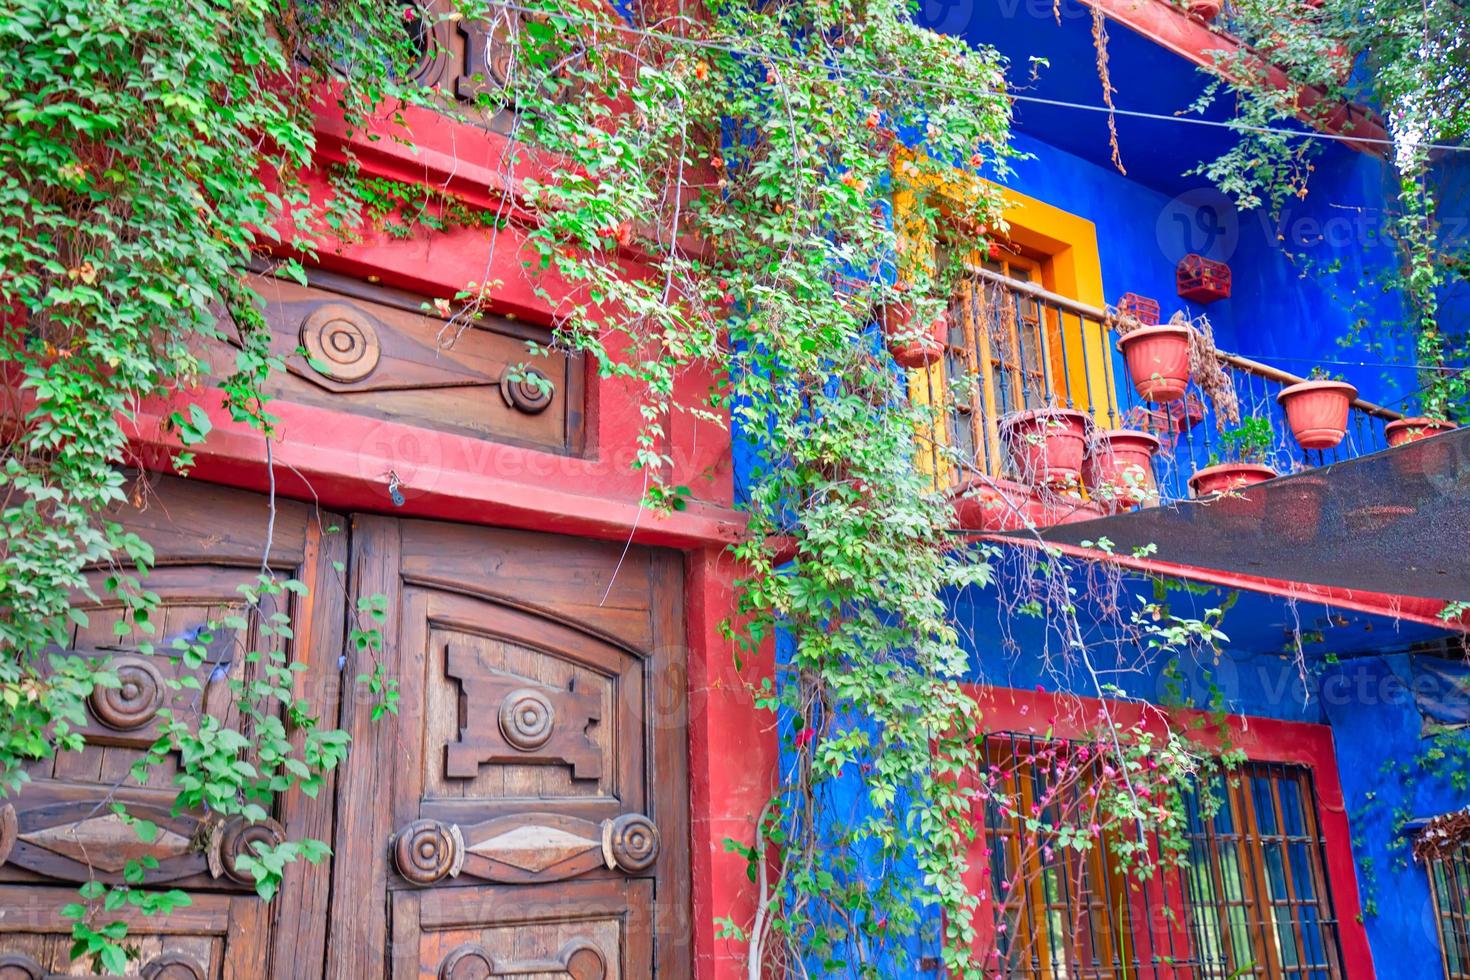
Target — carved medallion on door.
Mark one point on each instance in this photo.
(60, 829)
(535, 818)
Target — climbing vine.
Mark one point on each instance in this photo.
(149, 151)
(713, 192)
(1410, 60)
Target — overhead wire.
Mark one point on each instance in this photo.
(935, 85)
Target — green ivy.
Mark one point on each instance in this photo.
(1407, 58)
(717, 193)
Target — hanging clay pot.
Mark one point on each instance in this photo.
(910, 347)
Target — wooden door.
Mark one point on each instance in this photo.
(525, 814)
(60, 829)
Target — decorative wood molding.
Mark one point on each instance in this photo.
(62, 833)
(578, 958)
(525, 848)
(165, 966)
(630, 843)
(507, 720)
(428, 851)
(233, 836)
(367, 350)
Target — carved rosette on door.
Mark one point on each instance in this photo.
(524, 725)
(66, 834)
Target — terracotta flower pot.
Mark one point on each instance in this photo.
(1223, 477)
(910, 346)
(1317, 411)
(1402, 431)
(1118, 470)
(1158, 361)
(1204, 9)
(990, 505)
(1046, 445)
(1242, 514)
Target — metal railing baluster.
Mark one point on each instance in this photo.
(1021, 370)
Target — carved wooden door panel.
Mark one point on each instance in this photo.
(525, 815)
(60, 829)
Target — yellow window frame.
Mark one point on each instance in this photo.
(1066, 245)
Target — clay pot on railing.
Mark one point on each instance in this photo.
(910, 346)
(1158, 361)
(1401, 431)
(1317, 411)
(1118, 470)
(1224, 481)
(1046, 445)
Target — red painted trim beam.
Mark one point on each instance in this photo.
(1261, 739)
(1170, 27)
(343, 462)
(1411, 608)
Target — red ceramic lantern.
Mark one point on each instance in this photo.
(1141, 308)
(1202, 280)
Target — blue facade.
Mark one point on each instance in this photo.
(1302, 282)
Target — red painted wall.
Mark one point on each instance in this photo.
(342, 461)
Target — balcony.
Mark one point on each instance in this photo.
(1015, 348)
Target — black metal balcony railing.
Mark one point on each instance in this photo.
(1014, 346)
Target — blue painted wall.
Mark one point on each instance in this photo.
(1288, 313)
(1370, 704)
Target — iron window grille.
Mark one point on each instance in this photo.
(1449, 882)
(1251, 898)
(1443, 845)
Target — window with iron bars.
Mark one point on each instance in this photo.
(1251, 899)
(1446, 857)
